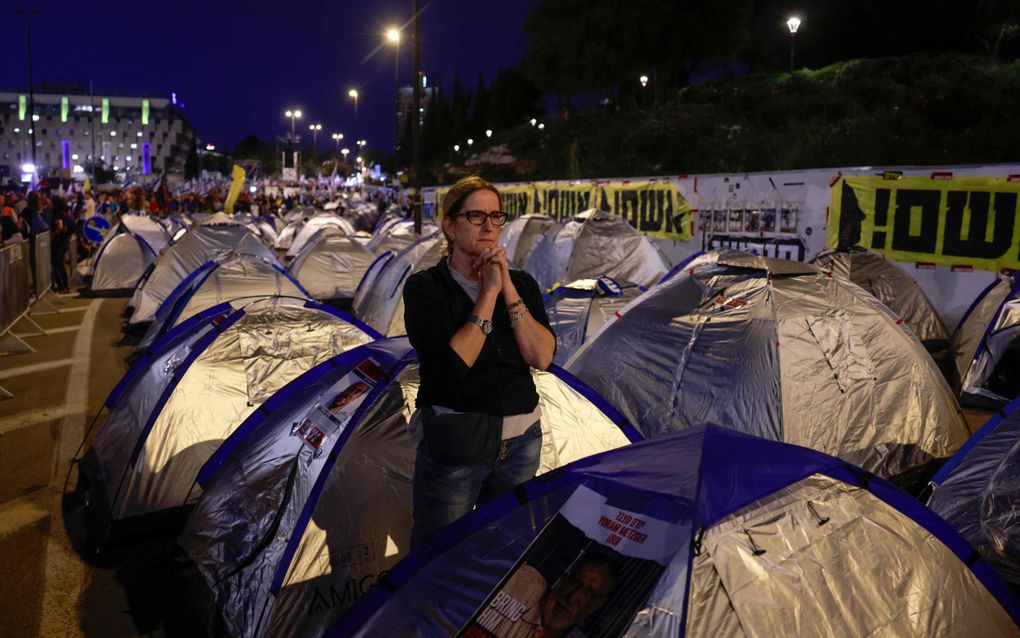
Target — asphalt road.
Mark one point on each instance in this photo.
(51, 582)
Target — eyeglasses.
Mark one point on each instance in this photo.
(478, 217)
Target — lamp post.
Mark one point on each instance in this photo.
(293, 114)
(29, 14)
(344, 152)
(315, 128)
(393, 37)
(337, 137)
(793, 24)
(353, 93)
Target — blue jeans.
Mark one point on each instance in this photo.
(444, 493)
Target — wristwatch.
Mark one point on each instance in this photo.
(484, 324)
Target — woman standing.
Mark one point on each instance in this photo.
(478, 328)
(60, 243)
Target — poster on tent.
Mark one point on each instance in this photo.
(590, 570)
(330, 416)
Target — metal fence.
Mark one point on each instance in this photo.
(43, 265)
(15, 291)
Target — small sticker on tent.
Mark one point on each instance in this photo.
(730, 302)
(962, 268)
(924, 265)
(370, 371)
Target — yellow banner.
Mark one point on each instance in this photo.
(964, 221)
(518, 201)
(235, 189)
(655, 208)
(562, 200)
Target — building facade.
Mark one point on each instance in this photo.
(129, 135)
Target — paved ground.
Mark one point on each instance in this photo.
(50, 583)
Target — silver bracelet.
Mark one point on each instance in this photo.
(517, 316)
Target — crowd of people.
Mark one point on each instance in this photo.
(63, 212)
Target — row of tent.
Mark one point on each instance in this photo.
(285, 425)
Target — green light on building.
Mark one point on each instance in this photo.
(145, 112)
(65, 107)
(22, 106)
(106, 110)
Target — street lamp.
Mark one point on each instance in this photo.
(344, 152)
(315, 128)
(793, 24)
(354, 94)
(488, 132)
(393, 37)
(337, 137)
(643, 80)
(293, 114)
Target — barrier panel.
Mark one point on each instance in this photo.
(43, 266)
(14, 284)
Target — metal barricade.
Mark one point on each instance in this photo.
(15, 295)
(43, 265)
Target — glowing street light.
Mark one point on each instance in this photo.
(344, 152)
(456, 148)
(533, 121)
(793, 24)
(353, 93)
(488, 132)
(541, 125)
(643, 80)
(315, 128)
(293, 114)
(470, 141)
(337, 137)
(393, 37)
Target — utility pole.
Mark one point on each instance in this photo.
(416, 121)
(29, 14)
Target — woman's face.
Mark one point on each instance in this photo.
(470, 239)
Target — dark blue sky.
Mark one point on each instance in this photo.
(239, 65)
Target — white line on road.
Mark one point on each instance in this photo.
(66, 576)
(50, 331)
(34, 417)
(37, 367)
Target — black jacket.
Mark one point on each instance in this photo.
(499, 383)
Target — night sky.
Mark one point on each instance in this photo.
(238, 66)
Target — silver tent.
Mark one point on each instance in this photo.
(331, 265)
(125, 254)
(880, 276)
(780, 350)
(177, 404)
(314, 225)
(310, 502)
(577, 311)
(228, 277)
(978, 492)
(986, 345)
(203, 243)
(397, 233)
(592, 244)
(705, 534)
(380, 299)
(520, 236)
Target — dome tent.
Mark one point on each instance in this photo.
(577, 310)
(781, 350)
(306, 505)
(166, 417)
(889, 284)
(591, 244)
(707, 532)
(978, 490)
(519, 236)
(314, 225)
(986, 345)
(227, 277)
(380, 298)
(199, 245)
(126, 253)
(331, 265)
(397, 233)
